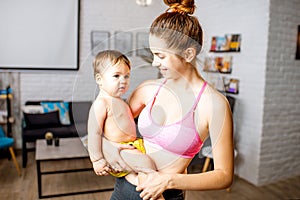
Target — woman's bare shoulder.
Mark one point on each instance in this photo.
(215, 98)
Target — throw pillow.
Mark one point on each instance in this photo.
(42, 120)
(62, 107)
(33, 109)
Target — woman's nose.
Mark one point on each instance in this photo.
(155, 63)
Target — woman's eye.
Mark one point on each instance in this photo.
(160, 56)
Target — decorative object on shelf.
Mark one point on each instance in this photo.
(100, 40)
(49, 138)
(222, 64)
(123, 42)
(231, 85)
(56, 141)
(298, 45)
(143, 3)
(226, 43)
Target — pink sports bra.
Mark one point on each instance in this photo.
(180, 138)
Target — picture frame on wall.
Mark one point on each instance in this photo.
(222, 64)
(123, 42)
(142, 43)
(100, 40)
(231, 85)
(226, 43)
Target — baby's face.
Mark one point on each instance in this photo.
(115, 79)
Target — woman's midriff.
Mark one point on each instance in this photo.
(165, 162)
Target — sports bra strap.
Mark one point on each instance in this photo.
(160, 88)
(199, 95)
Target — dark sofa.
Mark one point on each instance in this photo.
(35, 126)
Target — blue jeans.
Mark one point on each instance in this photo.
(125, 190)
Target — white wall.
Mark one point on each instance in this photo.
(280, 145)
(233, 16)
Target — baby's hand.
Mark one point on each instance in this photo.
(101, 168)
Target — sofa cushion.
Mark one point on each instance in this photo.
(41, 120)
(62, 107)
(64, 131)
(33, 109)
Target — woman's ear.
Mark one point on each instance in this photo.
(189, 54)
(98, 79)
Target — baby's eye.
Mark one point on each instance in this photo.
(127, 76)
(116, 76)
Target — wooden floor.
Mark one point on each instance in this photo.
(13, 187)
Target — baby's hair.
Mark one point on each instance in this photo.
(108, 58)
(177, 27)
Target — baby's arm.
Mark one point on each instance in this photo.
(96, 120)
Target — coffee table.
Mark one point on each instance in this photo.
(69, 148)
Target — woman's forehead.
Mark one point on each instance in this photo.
(157, 43)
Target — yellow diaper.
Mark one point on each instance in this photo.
(138, 144)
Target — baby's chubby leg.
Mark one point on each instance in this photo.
(138, 161)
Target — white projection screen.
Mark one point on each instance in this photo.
(39, 34)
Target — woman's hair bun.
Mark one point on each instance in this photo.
(181, 6)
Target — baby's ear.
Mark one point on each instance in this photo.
(189, 54)
(98, 79)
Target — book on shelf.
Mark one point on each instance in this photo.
(226, 43)
(222, 64)
(231, 85)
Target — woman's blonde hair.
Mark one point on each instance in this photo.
(108, 58)
(177, 27)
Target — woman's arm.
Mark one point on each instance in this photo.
(141, 95)
(221, 133)
(219, 120)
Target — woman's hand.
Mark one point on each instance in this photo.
(153, 185)
(111, 152)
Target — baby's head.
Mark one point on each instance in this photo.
(108, 58)
(112, 72)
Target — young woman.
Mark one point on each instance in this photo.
(177, 113)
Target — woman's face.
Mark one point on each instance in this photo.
(115, 80)
(169, 62)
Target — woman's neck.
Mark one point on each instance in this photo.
(189, 77)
